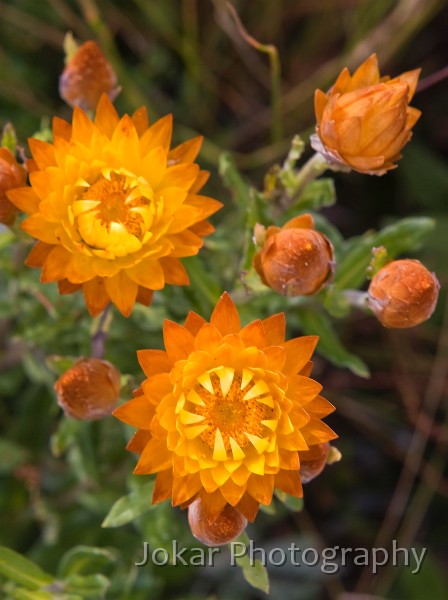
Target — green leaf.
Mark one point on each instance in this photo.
(268, 509)
(255, 574)
(317, 194)
(81, 557)
(17, 568)
(7, 237)
(65, 435)
(159, 528)
(317, 323)
(249, 203)
(295, 504)
(9, 138)
(404, 236)
(60, 364)
(87, 586)
(234, 181)
(127, 508)
(202, 283)
(24, 594)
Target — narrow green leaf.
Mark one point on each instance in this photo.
(7, 237)
(87, 586)
(65, 435)
(255, 574)
(317, 323)
(317, 194)
(129, 507)
(24, 594)
(234, 181)
(9, 138)
(404, 236)
(16, 567)
(268, 509)
(77, 559)
(203, 284)
(295, 504)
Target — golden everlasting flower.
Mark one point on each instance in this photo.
(89, 390)
(226, 411)
(364, 121)
(403, 294)
(12, 175)
(113, 207)
(86, 77)
(295, 260)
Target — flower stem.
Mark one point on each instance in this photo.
(356, 299)
(100, 334)
(311, 170)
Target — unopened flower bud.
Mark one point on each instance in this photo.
(312, 462)
(295, 260)
(403, 294)
(86, 77)
(89, 390)
(12, 175)
(228, 525)
(364, 120)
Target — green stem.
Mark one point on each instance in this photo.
(356, 299)
(297, 181)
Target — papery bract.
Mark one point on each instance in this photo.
(226, 411)
(113, 208)
(364, 120)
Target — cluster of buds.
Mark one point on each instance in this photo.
(89, 390)
(403, 294)
(295, 260)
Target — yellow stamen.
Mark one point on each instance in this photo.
(233, 411)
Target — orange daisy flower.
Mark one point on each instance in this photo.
(226, 411)
(113, 207)
(365, 120)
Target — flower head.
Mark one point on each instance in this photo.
(364, 121)
(226, 411)
(295, 260)
(89, 390)
(12, 175)
(86, 77)
(113, 207)
(403, 294)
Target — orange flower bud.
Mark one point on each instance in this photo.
(295, 260)
(12, 175)
(89, 390)
(229, 524)
(86, 77)
(312, 462)
(364, 121)
(403, 294)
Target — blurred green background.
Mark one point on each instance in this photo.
(60, 478)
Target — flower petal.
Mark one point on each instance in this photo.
(122, 291)
(95, 295)
(225, 316)
(179, 342)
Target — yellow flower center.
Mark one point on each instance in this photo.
(114, 213)
(233, 406)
